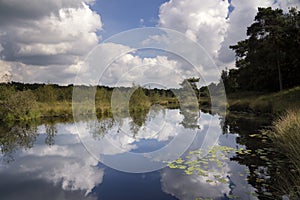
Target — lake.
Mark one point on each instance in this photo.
(163, 154)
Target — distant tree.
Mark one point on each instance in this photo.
(64, 93)
(139, 99)
(46, 93)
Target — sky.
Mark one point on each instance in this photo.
(121, 15)
(49, 41)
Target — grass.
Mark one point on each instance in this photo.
(285, 134)
(264, 103)
(55, 109)
(64, 109)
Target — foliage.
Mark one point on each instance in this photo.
(19, 105)
(46, 94)
(269, 59)
(5, 91)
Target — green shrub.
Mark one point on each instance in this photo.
(19, 105)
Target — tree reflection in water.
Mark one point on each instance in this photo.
(23, 135)
(16, 136)
(51, 131)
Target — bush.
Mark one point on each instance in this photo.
(19, 105)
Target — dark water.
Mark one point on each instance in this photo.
(63, 160)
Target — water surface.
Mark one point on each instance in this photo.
(63, 160)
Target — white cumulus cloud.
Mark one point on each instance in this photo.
(44, 36)
(200, 20)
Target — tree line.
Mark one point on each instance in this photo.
(22, 101)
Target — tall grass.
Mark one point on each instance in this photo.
(285, 135)
(55, 109)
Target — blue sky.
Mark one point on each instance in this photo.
(121, 15)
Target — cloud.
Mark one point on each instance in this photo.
(5, 71)
(149, 55)
(39, 34)
(31, 73)
(116, 64)
(287, 4)
(99, 60)
(142, 22)
(133, 69)
(186, 187)
(14, 10)
(200, 20)
(52, 39)
(204, 22)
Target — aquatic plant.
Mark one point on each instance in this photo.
(207, 164)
